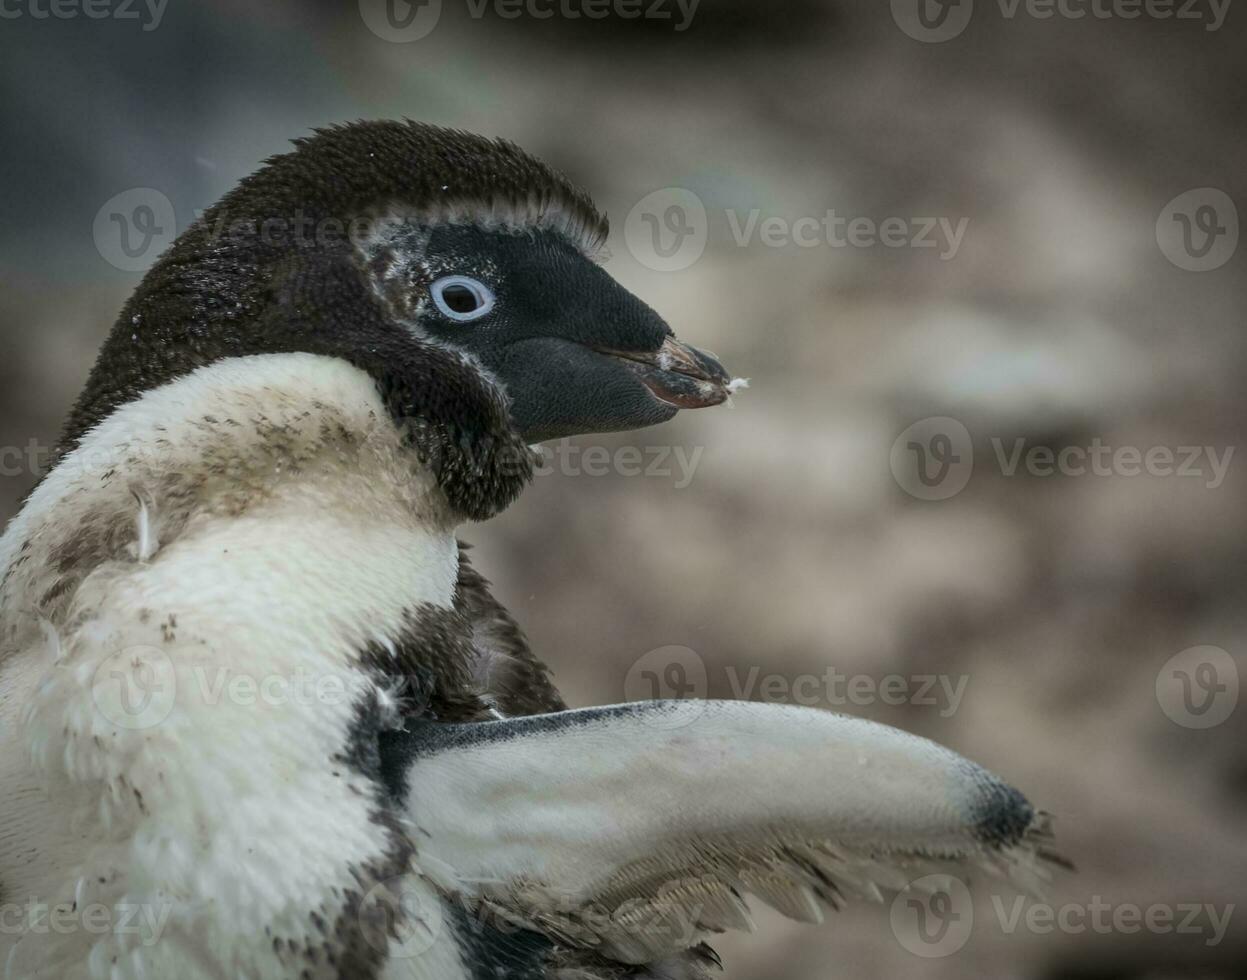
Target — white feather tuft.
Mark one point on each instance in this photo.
(733, 386)
(52, 637)
(147, 542)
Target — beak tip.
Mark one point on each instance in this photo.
(680, 375)
(706, 382)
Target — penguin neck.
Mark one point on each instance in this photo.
(260, 437)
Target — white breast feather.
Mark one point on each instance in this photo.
(254, 523)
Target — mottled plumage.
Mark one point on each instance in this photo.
(251, 685)
(503, 667)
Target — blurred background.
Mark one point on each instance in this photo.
(954, 247)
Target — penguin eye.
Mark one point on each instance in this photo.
(461, 298)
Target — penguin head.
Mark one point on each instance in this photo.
(459, 271)
(574, 351)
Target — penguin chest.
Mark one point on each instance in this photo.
(199, 611)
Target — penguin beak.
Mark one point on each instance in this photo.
(677, 374)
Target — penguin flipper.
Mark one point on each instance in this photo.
(636, 830)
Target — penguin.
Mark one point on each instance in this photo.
(260, 715)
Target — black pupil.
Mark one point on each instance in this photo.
(460, 299)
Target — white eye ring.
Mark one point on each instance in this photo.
(462, 298)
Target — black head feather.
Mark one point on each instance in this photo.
(284, 263)
(268, 270)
